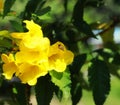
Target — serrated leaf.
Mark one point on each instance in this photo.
(44, 90)
(7, 6)
(79, 60)
(17, 26)
(99, 79)
(76, 90)
(63, 83)
(58, 93)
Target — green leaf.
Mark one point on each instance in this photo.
(78, 20)
(95, 3)
(104, 53)
(116, 59)
(16, 25)
(63, 83)
(79, 60)
(7, 43)
(22, 93)
(78, 11)
(76, 91)
(65, 5)
(7, 6)
(99, 79)
(31, 7)
(58, 93)
(43, 11)
(85, 28)
(4, 33)
(44, 90)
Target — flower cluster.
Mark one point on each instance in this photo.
(36, 57)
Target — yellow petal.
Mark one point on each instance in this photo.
(9, 69)
(29, 72)
(57, 48)
(6, 59)
(32, 36)
(32, 82)
(35, 43)
(18, 35)
(68, 57)
(33, 28)
(31, 57)
(59, 57)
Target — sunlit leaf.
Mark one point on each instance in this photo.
(4, 33)
(58, 93)
(105, 54)
(99, 79)
(63, 83)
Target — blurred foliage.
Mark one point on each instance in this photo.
(72, 22)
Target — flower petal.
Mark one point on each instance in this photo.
(33, 28)
(29, 72)
(5, 58)
(9, 69)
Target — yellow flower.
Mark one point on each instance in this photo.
(28, 73)
(33, 30)
(59, 57)
(9, 66)
(38, 53)
(35, 56)
(29, 38)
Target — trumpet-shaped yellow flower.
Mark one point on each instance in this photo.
(9, 66)
(36, 57)
(59, 57)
